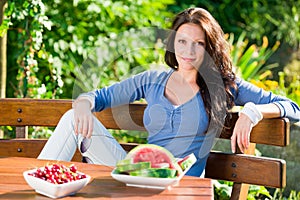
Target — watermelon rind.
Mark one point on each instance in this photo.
(125, 162)
(133, 166)
(187, 161)
(155, 172)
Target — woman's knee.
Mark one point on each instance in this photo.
(68, 115)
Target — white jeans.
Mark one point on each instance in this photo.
(101, 148)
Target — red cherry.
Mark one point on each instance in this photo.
(73, 168)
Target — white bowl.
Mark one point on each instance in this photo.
(54, 190)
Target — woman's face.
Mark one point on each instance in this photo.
(189, 46)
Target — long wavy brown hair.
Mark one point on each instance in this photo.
(217, 48)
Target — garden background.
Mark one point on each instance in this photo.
(45, 45)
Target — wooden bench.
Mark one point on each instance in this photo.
(242, 169)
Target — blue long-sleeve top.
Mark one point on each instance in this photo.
(182, 129)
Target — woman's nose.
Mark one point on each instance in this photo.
(190, 48)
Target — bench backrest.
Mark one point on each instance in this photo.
(34, 112)
(239, 168)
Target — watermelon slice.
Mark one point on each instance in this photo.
(156, 155)
(187, 161)
(150, 152)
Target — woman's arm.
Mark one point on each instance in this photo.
(248, 92)
(270, 110)
(83, 116)
(264, 104)
(244, 125)
(124, 92)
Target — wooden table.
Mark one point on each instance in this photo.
(102, 185)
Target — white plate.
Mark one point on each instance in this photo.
(148, 182)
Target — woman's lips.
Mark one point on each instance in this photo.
(188, 59)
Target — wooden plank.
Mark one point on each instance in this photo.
(249, 169)
(47, 112)
(35, 112)
(26, 148)
(32, 147)
(21, 147)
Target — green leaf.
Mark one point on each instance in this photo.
(246, 57)
(250, 70)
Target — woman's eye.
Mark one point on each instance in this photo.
(200, 44)
(181, 41)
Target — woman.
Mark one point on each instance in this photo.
(186, 106)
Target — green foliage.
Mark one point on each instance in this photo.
(117, 58)
(130, 136)
(40, 132)
(54, 45)
(222, 190)
(290, 90)
(10, 132)
(277, 19)
(94, 43)
(48, 42)
(250, 60)
(258, 192)
(25, 22)
(286, 18)
(278, 195)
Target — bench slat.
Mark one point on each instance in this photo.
(35, 112)
(241, 168)
(32, 112)
(32, 147)
(26, 148)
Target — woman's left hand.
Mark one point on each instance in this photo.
(241, 133)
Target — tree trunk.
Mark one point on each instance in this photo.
(3, 69)
(3, 40)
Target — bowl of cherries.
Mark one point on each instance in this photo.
(56, 180)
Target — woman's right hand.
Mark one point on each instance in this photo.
(84, 121)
